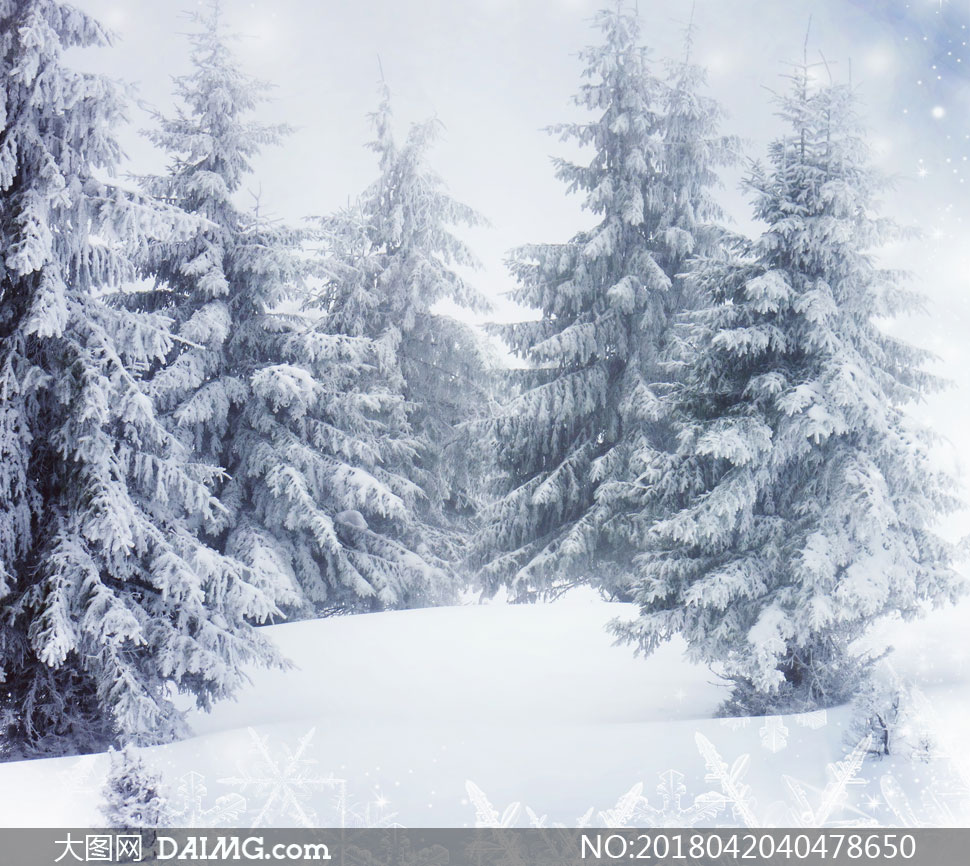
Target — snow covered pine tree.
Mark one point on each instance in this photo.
(799, 505)
(390, 258)
(573, 443)
(107, 598)
(242, 374)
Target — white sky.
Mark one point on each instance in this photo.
(496, 72)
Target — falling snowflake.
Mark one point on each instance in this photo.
(188, 804)
(282, 783)
(774, 733)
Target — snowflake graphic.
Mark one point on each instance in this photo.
(774, 733)
(834, 798)
(939, 806)
(282, 783)
(632, 809)
(736, 791)
(348, 812)
(486, 815)
(672, 813)
(188, 808)
(808, 806)
(624, 812)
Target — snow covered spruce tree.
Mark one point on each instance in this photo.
(390, 258)
(799, 505)
(107, 598)
(572, 443)
(238, 369)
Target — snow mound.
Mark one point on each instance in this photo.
(452, 716)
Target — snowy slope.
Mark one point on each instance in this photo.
(387, 716)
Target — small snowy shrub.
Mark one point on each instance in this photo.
(888, 709)
(132, 795)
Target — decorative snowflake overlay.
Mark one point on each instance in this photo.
(189, 811)
(279, 783)
(773, 731)
(736, 792)
(819, 808)
(282, 783)
(943, 800)
(671, 812)
(811, 806)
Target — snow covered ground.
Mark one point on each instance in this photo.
(452, 716)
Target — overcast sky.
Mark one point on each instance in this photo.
(495, 72)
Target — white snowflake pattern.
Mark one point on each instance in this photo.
(833, 800)
(632, 809)
(831, 808)
(774, 733)
(940, 805)
(348, 812)
(812, 720)
(486, 815)
(189, 809)
(282, 783)
(624, 812)
(736, 791)
(672, 813)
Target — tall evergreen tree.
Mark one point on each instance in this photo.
(107, 598)
(312, 442)
(798, 507)
(571, 444)
(391, 258)
(224, 383)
